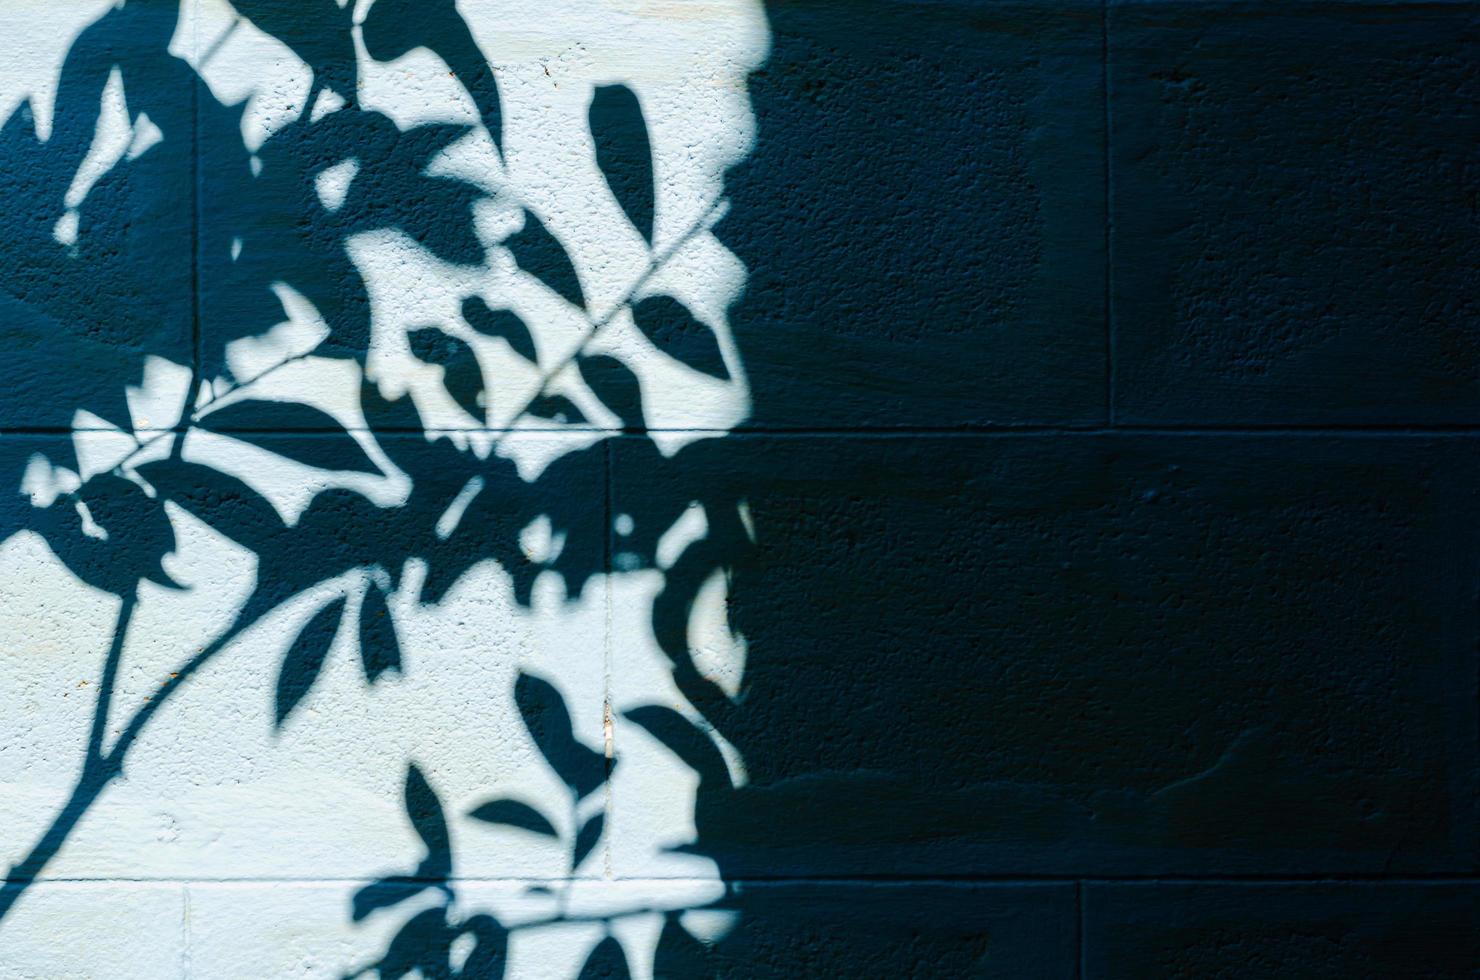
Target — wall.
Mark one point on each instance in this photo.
(1040, 540)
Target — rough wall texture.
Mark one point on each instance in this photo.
(899, 488)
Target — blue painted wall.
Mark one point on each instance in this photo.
(1116, 374)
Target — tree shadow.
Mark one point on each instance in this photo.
(187, 225)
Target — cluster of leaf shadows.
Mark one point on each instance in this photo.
(427, 943)
(196, 230)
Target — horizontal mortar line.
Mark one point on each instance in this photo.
(401, 880)
(1463, 878)
(983, 430)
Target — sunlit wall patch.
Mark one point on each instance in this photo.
(332, 575)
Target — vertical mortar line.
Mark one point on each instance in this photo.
(1109, 243)
(185, 964)
(606, 646)
(195, 209)
(1079, 951)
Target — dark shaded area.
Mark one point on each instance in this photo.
(1324, 931)
(512, 813)
(77, 321)
(112, 536)
(907, 929)
(1084, 654)
(1294, 221)
(1122, 655)
(318, 31)
(618, 388)
(923, 216)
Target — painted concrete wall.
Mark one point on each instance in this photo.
(886, 488)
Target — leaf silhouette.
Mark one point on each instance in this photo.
(318, 31)
(379, 649)
(422, 461)
(540, 254)
(616, 386)
(226, 503)
(261, 232)
(684, 739)
(512, 813)
(624, 152)
(586, 840)
(675, 603)
(305, 659)
(382, 415)
(549, 724)
(391, 188)
(438, 213)
(680, 955)
(424, 944)
(462, 376)
(341, 529)
(556, 408)
(674, 331)
(393, 27)
(119, 287)
(504, 324)
(385, 893)
(489, 957)
(247, 419)
(428, 820)
(608, 961)
(408, 151)
(138, 534)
